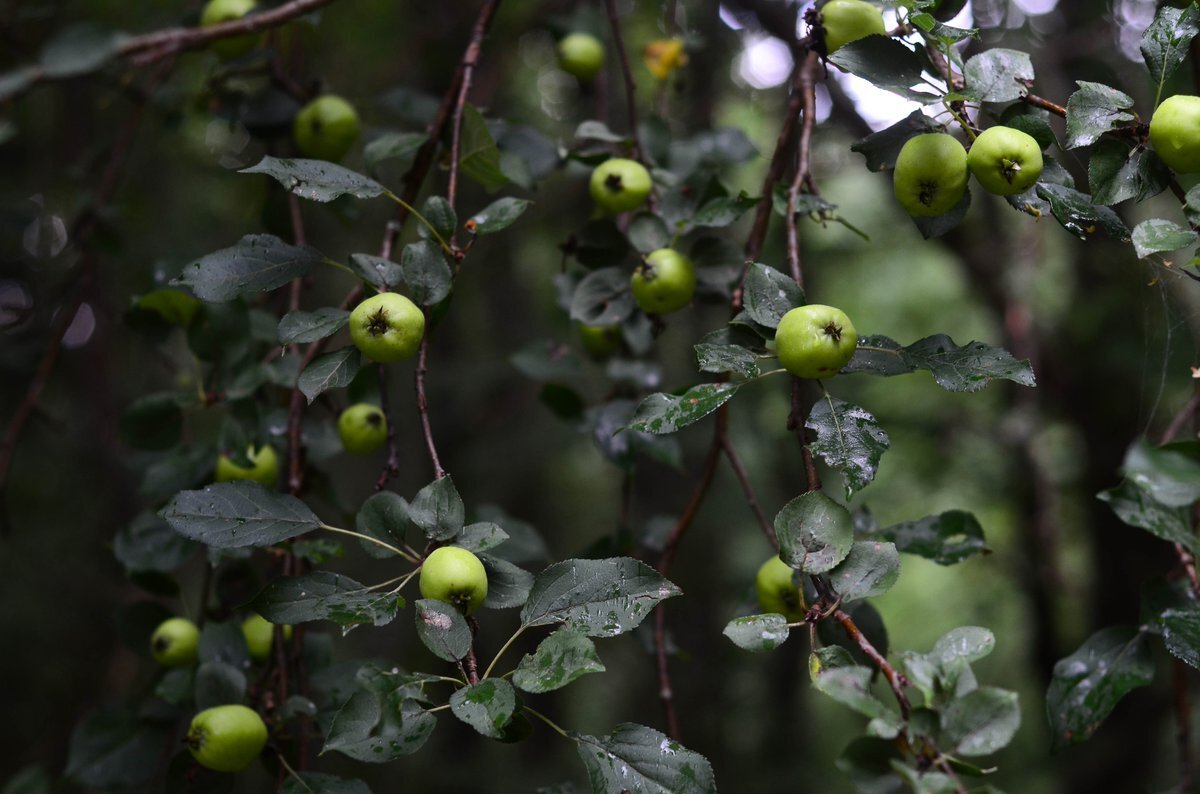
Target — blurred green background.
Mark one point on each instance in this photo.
(1111, 339)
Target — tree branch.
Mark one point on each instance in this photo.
(627, 73)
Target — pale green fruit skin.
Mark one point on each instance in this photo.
(845, 21)
(455, 576)
(226, 738)
(174, 642)
(600, 341)
(664, 282)
(776, 591)
(1175, 133)
(581, 55)
(264, 468)
(1005, 161)
(363, 428)
(217, 11)
(620, 185)
(815, 341)
(387, 327)
(259, 634)
(326, 128)
(931, 174)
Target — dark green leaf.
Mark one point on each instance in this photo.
(1181, 633)
(383, 274)
(487, 706)
(970, 643)
(1170, 473)
(998, 75)
(324, 595)
(317, 180)
(769, 294)
(559, 659)
(886, 63)
(112, 748)
(871, 568)
(425, 272)
(258, 263)
(302, 327)
(383, 516)
(329, 371)
(851, 686)
(641, 760)
(153, 421)
(77, 50)
(758, 633)
(1117, 172)
(965, 369)
(602, 297)
(601, 598)
(481, 536)
(1139, 509)
(443, 630)
(1079, 215)
(372, 729)
(1094, 110)
(171, 306)
(667, 413)
(499, 215)
(317, 783)
(18, 81)
(218, 683)
(981, 722)
(1165, 41)
(148, 544)
(548, 362)
(392, 145)
(648, 232)
(230, 515)
(948, 538)
(508, 585)
(478, 156)
(849, 439)
(29, 780)
(815, 533)
(1087, 685)
(441, 216)
(1157, 235)
(438, 510)
(734, 359)
(597, 131)
(723, 211)
(882, 148)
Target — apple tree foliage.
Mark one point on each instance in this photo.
(268, 357)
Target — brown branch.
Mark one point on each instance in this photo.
(423, 409)
(627, 73)
(743, 478)
(467, 70)
(895, 678)
(1045, 104)
(1186, 414)
(779, 161)
(391, 468)
(803, 176)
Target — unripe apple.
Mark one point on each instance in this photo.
(619, 185)
(931, 174)
(776, 590)
(845, 21)
(664, 282)
(218, 11)
(581, 55)
(174, 642)
(1005, 161)
(226, 738)
(387, 327)
(259, 634)
(1175, 133)
(263, 468)
(326, 128)
(600, 341)
(363, 428)
(815, 341)
(455, 576)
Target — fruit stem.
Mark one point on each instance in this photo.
(413, 211)
(499, 653)
(376, 541)
(547, 720)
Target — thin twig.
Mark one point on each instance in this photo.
(423, 409)
(803, 176)
(748, 489)
(391, 468)
(895, 678)
(1180, 420)
(1045, 104)
(627, 73)
(469, 60)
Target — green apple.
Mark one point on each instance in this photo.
(931, 174)
(326, 128)
(1175, 133)
(259, 634)
(387, 327)
(619, 185)
(226, 738)
(1005, 161)
(174, 642)
(845, 21)
(581, 55)
(815, 341)
(777, 591)
(263, 468)
(218, 11)
(600, 341)
(456, 576)
(664, 282)
(363, 428)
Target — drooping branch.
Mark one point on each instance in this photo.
(467, 70)
(627, 73)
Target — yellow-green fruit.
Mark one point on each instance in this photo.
(259, 634)
(387, 327)
(619, 185)
(931, 174)
(581, 55)
(174, 642)
(263, 468)
(776, 590)
(815, 341)
(226, 738)
(664, 282)
(600, 341)
(1005, 161)
(362, 428)
(845, 21)
(326, 128)
(456, 576)
(1175, 133)
(218, 11)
